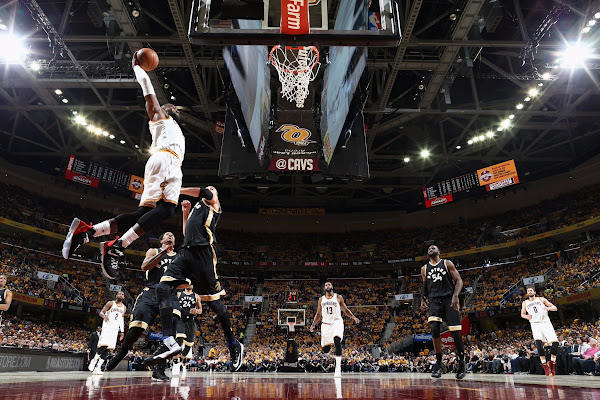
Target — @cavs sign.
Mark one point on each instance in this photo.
(294, 164)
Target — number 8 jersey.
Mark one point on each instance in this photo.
(535, 308)
(330, 309)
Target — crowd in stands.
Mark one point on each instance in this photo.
(31, 332)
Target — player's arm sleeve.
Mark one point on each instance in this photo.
(144, 80)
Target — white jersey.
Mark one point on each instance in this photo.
(115, 318)
(535, 308)
(167, 135)
(330, 309)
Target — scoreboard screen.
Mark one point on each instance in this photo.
(451, 186)
(291, 296)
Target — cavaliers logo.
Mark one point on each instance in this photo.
(295, 135)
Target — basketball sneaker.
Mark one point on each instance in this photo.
(158, 373)
(176, 369)
(111, 252)
(552, 365)
(163, 352)
(93, 363)
(547, 370)
(236, 353)
(460, 373)
(79, 233)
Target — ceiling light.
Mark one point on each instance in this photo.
(65, 101)
(137, 147)
(3, 27)
(540, 84)
(35, 66)
(546, 75)
(74, 112)
(470, 141)
(98, 131)
(575, 55)
(592, 22)
(122, 142)
(519, 106)
(104, 133)
(112, 136)
(533, 92)
(58, 92)
(475, 139)
(173, 98)
(586, 29)
(91, 128)
(511, 116)
(505, 123)
(79, 119)
(597, 15)
(490, 134)
(425, 153)
(135, 13)
(527, 98)
(11, 49)
(457, 147)
(406, 159)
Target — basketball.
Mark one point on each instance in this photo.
(147, 59)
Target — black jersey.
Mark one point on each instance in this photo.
(439, 281)
(201, 224)
(2, 295)
(187, 302)
(153, 275)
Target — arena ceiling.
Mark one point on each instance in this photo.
(456, 75)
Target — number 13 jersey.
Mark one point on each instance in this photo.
(330, 309)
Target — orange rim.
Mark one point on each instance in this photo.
(293, 48)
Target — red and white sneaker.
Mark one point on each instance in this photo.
(79, 233)
(547, 370)
(552, 368)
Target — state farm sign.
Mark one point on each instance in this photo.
(438, 201)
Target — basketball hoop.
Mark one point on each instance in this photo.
(291, 326)
(296, 67)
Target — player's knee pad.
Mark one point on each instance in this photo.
(218, 308)
(327, 348)
(163, 293)
(554, 349)
(436, 329)
(338, 345)
(540, 347)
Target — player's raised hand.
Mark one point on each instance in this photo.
(312, 328)
(186, 206)
(134, 60)
(356, 320)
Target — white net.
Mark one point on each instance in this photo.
(296, 67)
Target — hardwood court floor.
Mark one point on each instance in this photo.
(272, 386)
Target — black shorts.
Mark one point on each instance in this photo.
(440, 309)
(196, 266)
(186, 329)
(145, 309)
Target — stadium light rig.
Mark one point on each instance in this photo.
(575, 55)
(12, 50)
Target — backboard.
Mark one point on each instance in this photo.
(208, 28)
(285, 315)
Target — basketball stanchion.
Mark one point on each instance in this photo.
(296, 67)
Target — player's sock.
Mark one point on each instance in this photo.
(102, 228)
(163, 295)
(129, 237)
(338, 365)
(219, 309)
(460, 345)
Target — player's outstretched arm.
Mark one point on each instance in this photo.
(186, 206)
(549, 306)
(346, 310)
(317, 317)
(7, 300)
(458, 283)
(524, 312)
(153, 108)
(198, 309)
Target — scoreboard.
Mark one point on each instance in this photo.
(291, 296)
(451, 186)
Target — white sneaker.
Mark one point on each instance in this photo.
(98, 370)
(338, 374)
(176, 369)
(183, 371)
(93, 363)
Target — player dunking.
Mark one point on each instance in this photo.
(112, 314)
(145, 309)
(196, 264)
(442, 284)
(535, 309)
(332, 328)
(190, 306)
(162, 182)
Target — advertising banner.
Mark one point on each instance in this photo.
(439, 201)
(294, 17)
(115, 288)
(294, 164)
(47, 276)
(496, 173)
(427, 337)
(448, 340)
(404, 297)
(136, 184)
(14, 360)
(292, 211)
(503, 183)
(24, 298)
(253, 299)
(533, 280)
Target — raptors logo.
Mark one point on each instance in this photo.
(295, 135)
